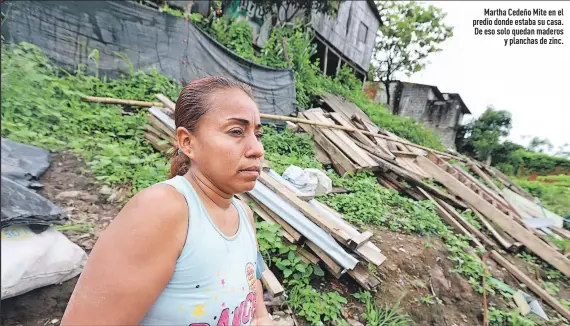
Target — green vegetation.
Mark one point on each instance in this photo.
(554, 196)
(41, 106)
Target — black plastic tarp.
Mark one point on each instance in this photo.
(23, 165)
(68, 31)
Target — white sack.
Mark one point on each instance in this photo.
(31, 261)
(308, 182)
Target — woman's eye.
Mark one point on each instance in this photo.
(236, 132)
(259, 135)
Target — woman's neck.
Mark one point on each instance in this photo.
(208, 189)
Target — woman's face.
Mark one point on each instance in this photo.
(227, 142)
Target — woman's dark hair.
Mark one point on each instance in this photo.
(192, 104)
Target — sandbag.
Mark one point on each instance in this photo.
(23, 206)
(31, 261)
(23, 163)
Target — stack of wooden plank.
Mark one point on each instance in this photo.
(160, 131)
(510, 218)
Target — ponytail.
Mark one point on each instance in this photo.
(180, 164)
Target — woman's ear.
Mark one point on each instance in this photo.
(185, 141)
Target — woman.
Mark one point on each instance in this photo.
(184, 251)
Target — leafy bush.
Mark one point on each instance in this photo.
(525, 163)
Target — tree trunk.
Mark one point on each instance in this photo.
(387, 87)
(488, 160)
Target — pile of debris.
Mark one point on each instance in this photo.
(349, 141)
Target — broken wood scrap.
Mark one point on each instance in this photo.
(537, 289)
(444, 214)
(270, 283)
(506, 223)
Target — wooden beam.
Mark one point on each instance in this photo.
(509, 246)
(166, 102)
(537, 289)
(505, 222)
(270, 283)
(451, 221)
(305, 208)
(341, 163)
(363, 277)
(472, 229)
(359, 240)
(326, 60)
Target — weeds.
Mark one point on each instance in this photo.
(374, 316)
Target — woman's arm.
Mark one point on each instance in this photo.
(261, 316)
(132, 261)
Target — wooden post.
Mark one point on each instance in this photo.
(326, 60)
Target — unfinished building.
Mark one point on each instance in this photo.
(440, 112)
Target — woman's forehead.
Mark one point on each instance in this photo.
(233, 103)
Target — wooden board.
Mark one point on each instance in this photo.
(444, 214)
(321, 155)
(341, 163)
(361, 137)
(341, 140)
(472, 229)
(305, 208)
(505, 222)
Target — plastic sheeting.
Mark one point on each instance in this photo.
(68, 31)
(23, 206)
(22, 166)
(23, 163)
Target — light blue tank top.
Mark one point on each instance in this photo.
(215, 276)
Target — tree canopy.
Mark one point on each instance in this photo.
(409, 33)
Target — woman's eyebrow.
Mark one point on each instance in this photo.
(244, 122)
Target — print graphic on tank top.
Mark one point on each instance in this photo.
(241, 314)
